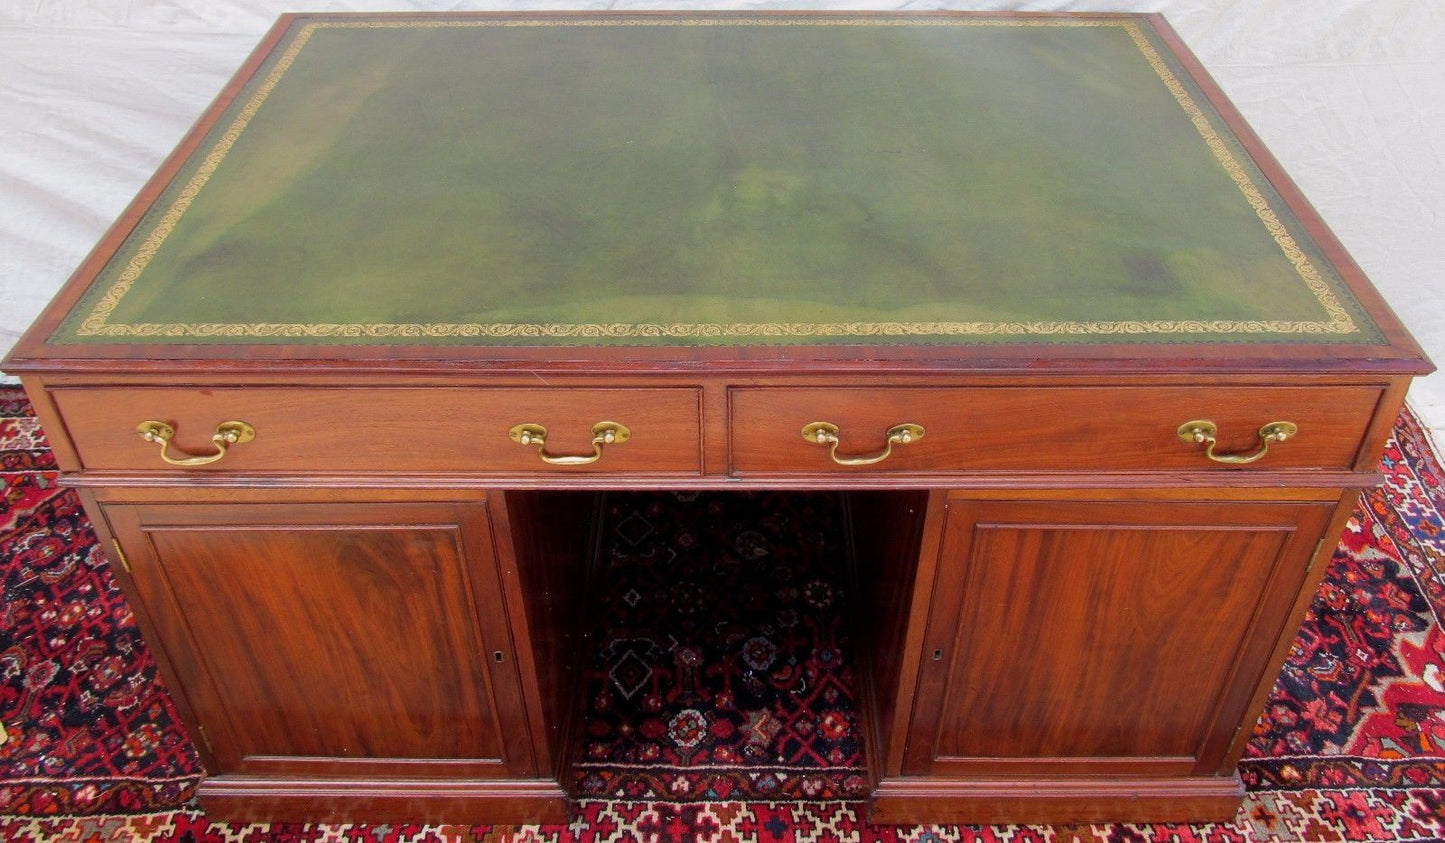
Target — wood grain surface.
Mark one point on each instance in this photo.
(339, 641)
(1140, 622)
(1035, 428)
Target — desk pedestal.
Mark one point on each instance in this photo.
(405, 655)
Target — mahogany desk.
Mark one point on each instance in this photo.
(339, 386)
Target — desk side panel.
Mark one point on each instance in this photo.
(552, 541)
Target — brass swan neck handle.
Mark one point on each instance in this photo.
(826, 433)
(603, 433)
(227, 434)
(1203, 432)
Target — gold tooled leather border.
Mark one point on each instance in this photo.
(97, 324)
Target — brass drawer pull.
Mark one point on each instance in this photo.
(824, 433)
(227, 434)
(1202, 432)
(603, 433)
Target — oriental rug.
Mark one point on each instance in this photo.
(735, 728)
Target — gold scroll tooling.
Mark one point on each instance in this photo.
(97, 323)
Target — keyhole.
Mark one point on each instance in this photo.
(497, 656)
(938, 655)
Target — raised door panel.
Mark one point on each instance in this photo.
(1102, 637)
(323, 640)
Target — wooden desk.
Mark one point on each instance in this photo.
(1102, 391)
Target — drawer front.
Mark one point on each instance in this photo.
(1045, 428)
(390, 429)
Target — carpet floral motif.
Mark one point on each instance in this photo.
(87, 727)
(735, 728)
(722, 670)
(1361, 698)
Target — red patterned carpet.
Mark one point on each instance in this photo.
(695, 698)
(689, 717)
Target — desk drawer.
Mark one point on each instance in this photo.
(391, 429)
(1046, 428)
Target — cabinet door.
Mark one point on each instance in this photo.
(334, 640)
(1112, 638)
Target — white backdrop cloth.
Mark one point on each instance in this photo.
(1348, 94)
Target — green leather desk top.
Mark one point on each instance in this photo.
(736, 181)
